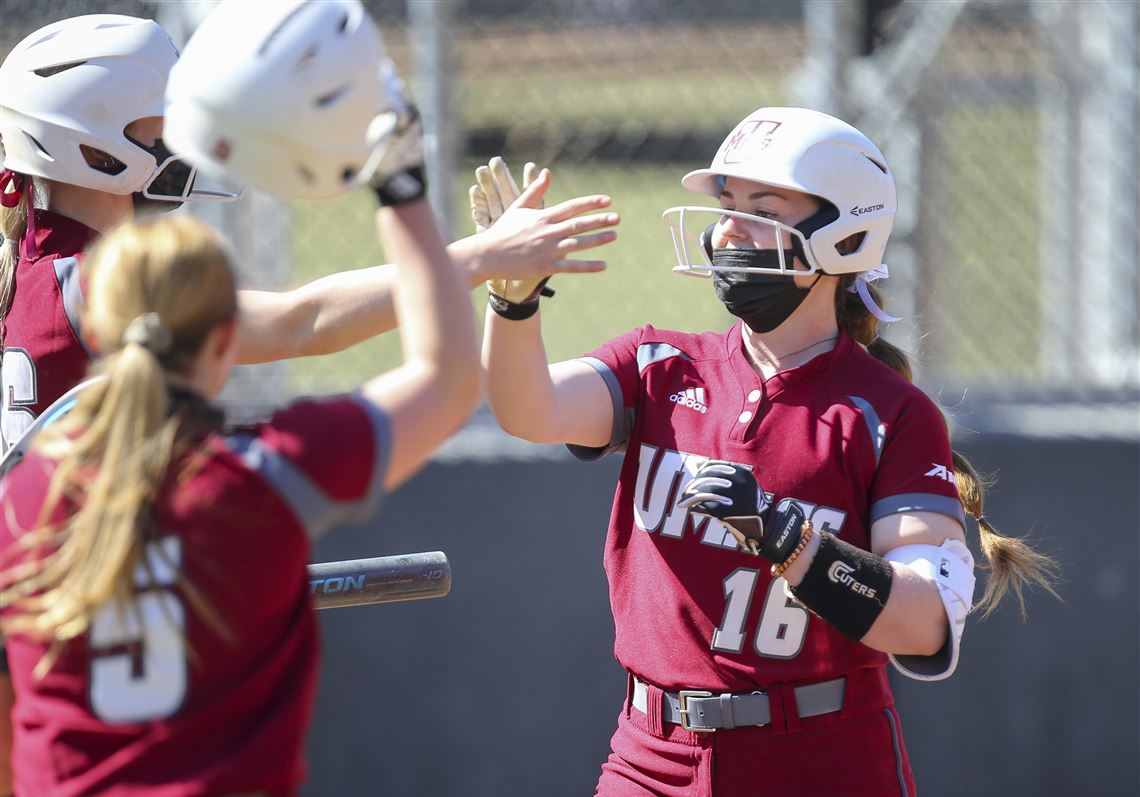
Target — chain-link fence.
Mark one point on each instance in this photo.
(1012, 128)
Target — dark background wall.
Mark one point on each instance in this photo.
(508, 685)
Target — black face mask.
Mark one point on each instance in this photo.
(174, 180)
(762, 301)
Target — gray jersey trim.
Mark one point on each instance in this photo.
(67, 275)
(895, 742)
(623, 418)
(314, 509)
(382, 436)
(875, 426)
(649, 353)
(918, 502)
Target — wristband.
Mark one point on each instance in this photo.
(518, 311)
(402, 187)
(846, 586)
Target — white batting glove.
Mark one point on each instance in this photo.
(494, 192)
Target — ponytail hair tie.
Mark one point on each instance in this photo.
(12, 187)
(149, 332)
(859, 286)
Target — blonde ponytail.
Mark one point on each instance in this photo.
(1013, 563)
(157, 289)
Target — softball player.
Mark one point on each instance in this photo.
(788, 516)
(153, 597)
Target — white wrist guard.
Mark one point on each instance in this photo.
(951, 567)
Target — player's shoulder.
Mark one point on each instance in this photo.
(868, 381)
(688, 345)
(61, 237)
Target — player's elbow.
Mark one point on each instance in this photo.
(930, 638)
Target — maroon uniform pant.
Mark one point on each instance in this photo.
(855, 752)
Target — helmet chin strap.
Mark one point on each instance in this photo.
(860, 287)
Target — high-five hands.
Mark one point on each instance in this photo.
(531, 243)
(730, 493)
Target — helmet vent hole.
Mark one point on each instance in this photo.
(851, 244)
(39, 146)
(342, 26)
(280, 27)
(106, 25)
(325, 100)
(102, 161)
(47, 38)
(882, 166)
(48, 71)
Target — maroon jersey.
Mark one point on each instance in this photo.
(44, 356)
(164, 703)
(842, 435)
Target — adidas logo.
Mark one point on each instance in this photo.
(693, 398)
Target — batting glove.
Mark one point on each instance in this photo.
(395, 171)
(495, 191)
(730, 493)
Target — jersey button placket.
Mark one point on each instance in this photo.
(749, 413)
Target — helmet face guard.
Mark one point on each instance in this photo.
(689, 224)
(174, 180)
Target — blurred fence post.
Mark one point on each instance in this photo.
(430, 35)
(1090, 199)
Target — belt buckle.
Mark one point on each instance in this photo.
(683, 708)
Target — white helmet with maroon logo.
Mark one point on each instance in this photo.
(68, 92)
(817, 154)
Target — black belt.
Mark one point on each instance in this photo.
(701, 711)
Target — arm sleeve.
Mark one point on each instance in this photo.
(616, 363)
(914, 473)
(326, 458)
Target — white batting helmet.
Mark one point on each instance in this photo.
(78, 83)
(279, 95)
(811, 152)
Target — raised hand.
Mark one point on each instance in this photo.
(522, 242)
(496, 190)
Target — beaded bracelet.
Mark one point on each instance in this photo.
(805, 538)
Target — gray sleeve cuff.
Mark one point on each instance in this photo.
(623, 418)
(918, 502)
